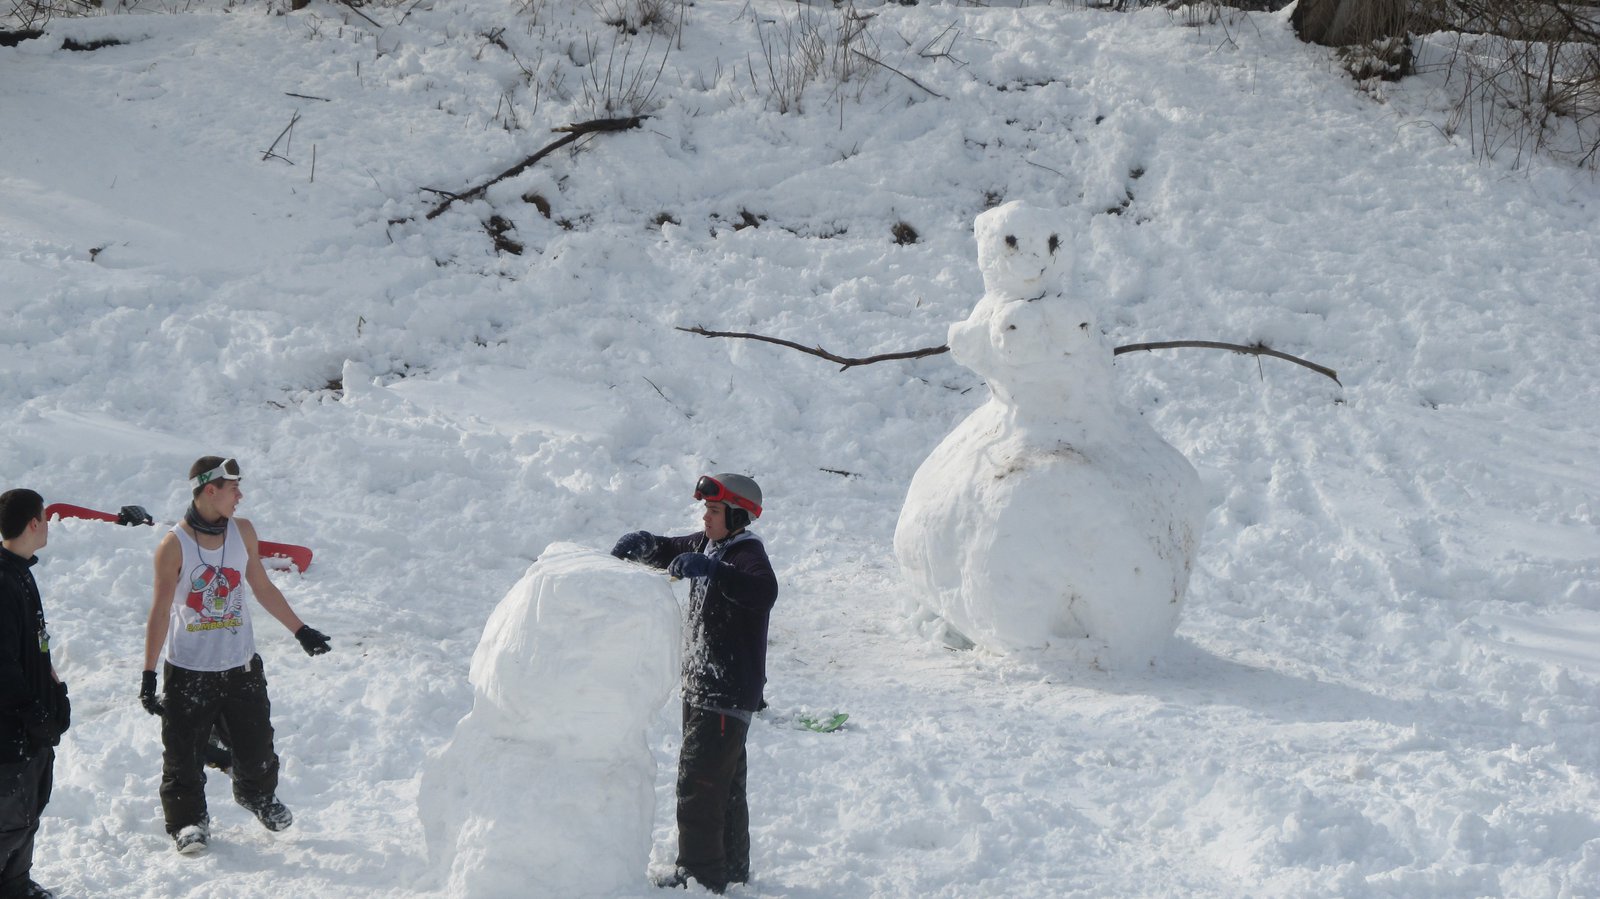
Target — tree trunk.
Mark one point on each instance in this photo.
(1347, 23)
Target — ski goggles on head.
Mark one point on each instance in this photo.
(709, 488)
(228, 470)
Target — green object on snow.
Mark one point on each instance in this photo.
(824, 725)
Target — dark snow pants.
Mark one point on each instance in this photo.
(713, 813)
(236, 700)
(24, 791)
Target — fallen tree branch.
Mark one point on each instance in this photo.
(363, 15)
(845, 362)
(573, 132)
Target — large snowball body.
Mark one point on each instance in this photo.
(1051, 516)
(548, 785)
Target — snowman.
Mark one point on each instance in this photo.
(1052, 516)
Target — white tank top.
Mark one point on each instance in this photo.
(210, 623)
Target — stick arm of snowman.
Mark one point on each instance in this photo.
(844, 361)
(1257, 349)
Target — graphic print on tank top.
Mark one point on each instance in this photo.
(214, 594)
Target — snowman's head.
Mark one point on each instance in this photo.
(1022, 251)
(1028, 334)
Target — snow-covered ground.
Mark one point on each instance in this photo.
(1386, 679)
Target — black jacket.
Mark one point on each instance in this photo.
(725, 637)
(34, 710)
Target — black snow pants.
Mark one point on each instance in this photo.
(236, 700)
(24, 791)
(713, 813)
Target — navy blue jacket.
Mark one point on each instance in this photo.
(33, 707)
(725, 639)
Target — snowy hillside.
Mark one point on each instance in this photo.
(1385, 682)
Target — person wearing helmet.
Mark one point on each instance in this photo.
(731, 595)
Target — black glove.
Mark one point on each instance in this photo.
(692, 565)
(134, 515)
(636, 546)
(313, 641)
(147, 695)
(63, 709)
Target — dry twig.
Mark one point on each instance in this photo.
(844, 361)
(268, 153)
(1255, 349)
(880, 62)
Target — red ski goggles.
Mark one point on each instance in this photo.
(711, 489)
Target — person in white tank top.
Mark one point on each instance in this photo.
(206, 570)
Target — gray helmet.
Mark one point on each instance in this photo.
(740, 494)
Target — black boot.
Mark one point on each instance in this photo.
(26, 889)
(679, 879)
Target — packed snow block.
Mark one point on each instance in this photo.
(1052, 516)
(548, 784)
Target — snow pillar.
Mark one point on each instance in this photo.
(548, 785)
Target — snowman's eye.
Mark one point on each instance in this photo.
(1055, 243)
(1011, 241)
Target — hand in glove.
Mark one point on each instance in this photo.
(313, 641)
(134, 515)
(63, 709)
(635, 546)
(148, 697)
(692, 565)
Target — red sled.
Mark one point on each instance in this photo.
(67, 510)
(299, 557)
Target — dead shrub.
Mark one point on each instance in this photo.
(1525, 76)
(811, 47)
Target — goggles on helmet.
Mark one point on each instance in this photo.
(709, 488)
(228, 471)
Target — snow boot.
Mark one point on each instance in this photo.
(272, 814)
(680, 878)
(676, 879)
(26, 889)
(191, 840)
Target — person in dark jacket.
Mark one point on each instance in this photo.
(724, 672)
(34, 711)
